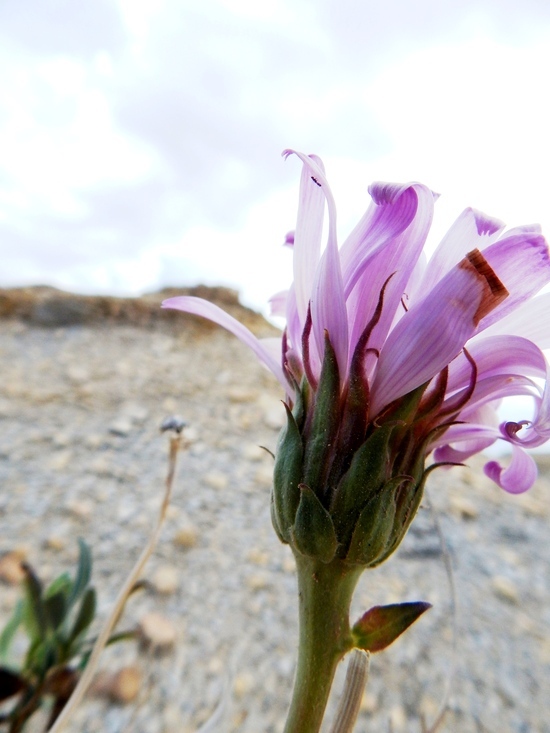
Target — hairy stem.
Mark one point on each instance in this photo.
(325, 592)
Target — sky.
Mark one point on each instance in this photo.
(140, 140)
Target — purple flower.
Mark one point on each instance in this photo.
(463, 327)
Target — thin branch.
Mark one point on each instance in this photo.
(102, 639)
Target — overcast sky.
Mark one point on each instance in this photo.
(140, 140)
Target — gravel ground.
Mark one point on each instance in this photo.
(81, 455)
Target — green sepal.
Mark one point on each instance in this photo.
(302, 396)
(313, 531)
(373, 531)
(362, 481)
(408, 502)
(274, 519)
(322, 432)
(382, 625)
(405, 408)
(287, 475)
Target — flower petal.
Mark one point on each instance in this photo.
(497, 355)
(200, 307)
(431, 334)
(519, 476)
(521, 261)
(278, 303)
(531, 320)
(398, 234)
(309, 227)
(328, 308)
(471, 230)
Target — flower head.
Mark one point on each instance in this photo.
(387, 358)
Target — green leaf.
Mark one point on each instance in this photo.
(63, 583)
(9, 631)
(10, 683)
(381, 625)
(83, 573)
(34, 613)
(55, 607)
(85, 615)
(313, 529)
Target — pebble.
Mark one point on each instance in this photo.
(243, 683)
(242, 394)
(157, 631)
(166, 579)
(216, 480)
(253, 452)
(398, 718)
(78, 374)
(506, 589)
(274, 415)
(463, 507)
(126, 684)
(11, 570)
(186, 537)
(55, 542)
(369, 702)
(257, 581)
(121, 427)
(80, 508)
(59, 461)
(258, 557)
(121, 687)
(264, 475)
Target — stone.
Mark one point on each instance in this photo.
(463, 507)
(186, 536)
(55, 542)
(166, 579)
(125, 684)
(506, 589)
(11, 570)
(121, 427)
(257, 581)
(216, 480)
(242, 684)
(242, 394)
(157, 631)
(253, 452)
(80, 508)
(273, 412)
(59, 461)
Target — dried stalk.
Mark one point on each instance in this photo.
(354, 686)
(103, 638)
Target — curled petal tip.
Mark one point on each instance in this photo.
(518, 477)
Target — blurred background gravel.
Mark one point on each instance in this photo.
(82, 395)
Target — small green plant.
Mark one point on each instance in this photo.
(55, 619)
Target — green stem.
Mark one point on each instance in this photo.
(325, 592)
